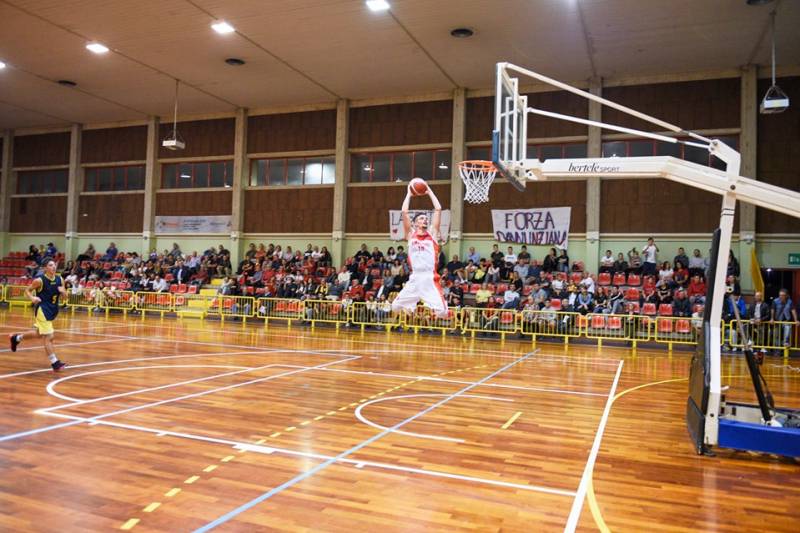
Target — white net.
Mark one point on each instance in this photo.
(477, 177)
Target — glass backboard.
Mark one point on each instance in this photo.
(509, 138)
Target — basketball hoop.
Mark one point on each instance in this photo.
(478, 177)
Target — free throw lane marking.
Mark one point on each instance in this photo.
(172, 492)
(191, 480)
(210, 468)
(152, 507)
(129, 524)
(511, 420)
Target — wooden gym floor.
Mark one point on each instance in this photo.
(163, 425)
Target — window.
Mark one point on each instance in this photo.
(292, 171)
(129, 178)
(197, 175)
(641, 148)
(42, 181)
(400, 166)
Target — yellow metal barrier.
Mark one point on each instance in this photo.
(671, 330)
(601, 326)
(490, 321)
(288, 309)
(558, 324)
(83, 298)
(15, 295)
(119, 301)
(424, 318)
(242, 307)
(192, 305)
(154, 302)
(3, 294)
(375, 314)
(779, 336)
(326, 311)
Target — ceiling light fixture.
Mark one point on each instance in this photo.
(775, 100)
(378, 5)
(758, 2)
(462, 33)
(2, 65)
(97, 48)
(235, 61)
(443, 166)
(222, 27)
(67, 83)
(186, 176)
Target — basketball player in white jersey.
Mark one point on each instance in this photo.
(423, 253)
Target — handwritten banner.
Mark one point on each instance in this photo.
(194, 224)
(547, 226)
(396, 232)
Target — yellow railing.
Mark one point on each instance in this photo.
(326, 311)
(374, 314)
(197, 305)
(424, 319)
(15, 295)
(631, 328)
(83, 298)
(154, 302)
(119, 301)
(780, 336)
(671, 330)
(287, 309)
(229, 307)
(486, 321)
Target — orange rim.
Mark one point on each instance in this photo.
(477, 164)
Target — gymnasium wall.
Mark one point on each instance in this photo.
(779, 155)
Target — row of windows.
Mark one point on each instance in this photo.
(364, 167)
(197, 175)
(292, 171)
(400, 166)
(130, 178)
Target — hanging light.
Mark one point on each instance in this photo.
(775, 100)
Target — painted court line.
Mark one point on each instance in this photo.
(95, 419)
(38, 345)
(577, 503)
(300, 477)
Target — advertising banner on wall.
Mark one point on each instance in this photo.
(396, 232)
(194, 224)
(545, 226)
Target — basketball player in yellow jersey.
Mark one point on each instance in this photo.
(423, 253)
(44, 293)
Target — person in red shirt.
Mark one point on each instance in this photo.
(356, 291)
(697, 290)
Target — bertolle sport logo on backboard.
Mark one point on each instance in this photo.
(592, 167)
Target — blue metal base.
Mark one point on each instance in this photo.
(758, 438)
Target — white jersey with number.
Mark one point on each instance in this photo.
(423, 252)
(423, 283)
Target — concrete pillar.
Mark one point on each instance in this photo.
(152, 181)
(240, 175)
(7, 185)
(748, 140)
(456, 185)
(340, 186)
(594, 148)
(74, 188)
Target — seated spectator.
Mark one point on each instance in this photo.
(696, 264)
(480, 271)
(175, 253)
(615, 300)
(180, 272)
(391, 255)
(696, 290)
(681, 305)
(34, 255)
(524, 256)
(356, 291)
(601, 301)
(529, 309)
(193, 262)
(325, 258)
(520, 272)
(620, 265)
(454, 265)
(663, 292)
(550, 263)
(376, 256)
(584, 302)
(607, 262)
(588, 282)
(548, 316)
(563, 261)
(783, 311)
(159, 284)
(539, 294)
(493, 274)
(362, 252)
(51, 250)
(510, 298)
(473, 256)
(251, 252)
(534, 272)
(634, 262)
(87, 255)
(402, 256)
(307, 255)
(680, 277)
(665, 273)
(497, 256)
(470, 270)
(482, 296)
(680, 258)
(515, 281)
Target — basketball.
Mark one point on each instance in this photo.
(418, 187)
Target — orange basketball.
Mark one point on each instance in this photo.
(418, 187)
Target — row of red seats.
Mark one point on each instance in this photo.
(682, 325)
(6, 271)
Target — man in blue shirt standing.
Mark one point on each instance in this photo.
(783, 311)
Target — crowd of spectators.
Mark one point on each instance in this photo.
(626, 283)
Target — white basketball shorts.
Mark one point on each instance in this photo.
(425, 287)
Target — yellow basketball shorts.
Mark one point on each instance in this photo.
(44, 326)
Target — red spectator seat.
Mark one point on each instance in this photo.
(375, 272)
(632, 294)
(507, 318)
(192, 289)
(182, 288)
(555, 303)
(576, 277)
(474, 288)
(683, 326)
(249, 291)
(614, 322)
(649, 309)
(577, 266)
(260, 291)
(501, 288)
(634, 280)
(649, 282)
(117, 275)
(526, 291)
(665, 309)
(173, 288)
(369, 293)
(169, 278)
(491, 287)
(604, 279)
(583, 321)
(598, 322)
(664, 326)
(90, 284)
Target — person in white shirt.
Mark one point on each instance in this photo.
(510, 298)
(160, 284)
(474, 256)
(510, 256)
(587, 282)
(649, 256)
(607, 262)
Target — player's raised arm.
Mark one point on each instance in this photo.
(404, 210)
(437, 213)
(30, 291)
